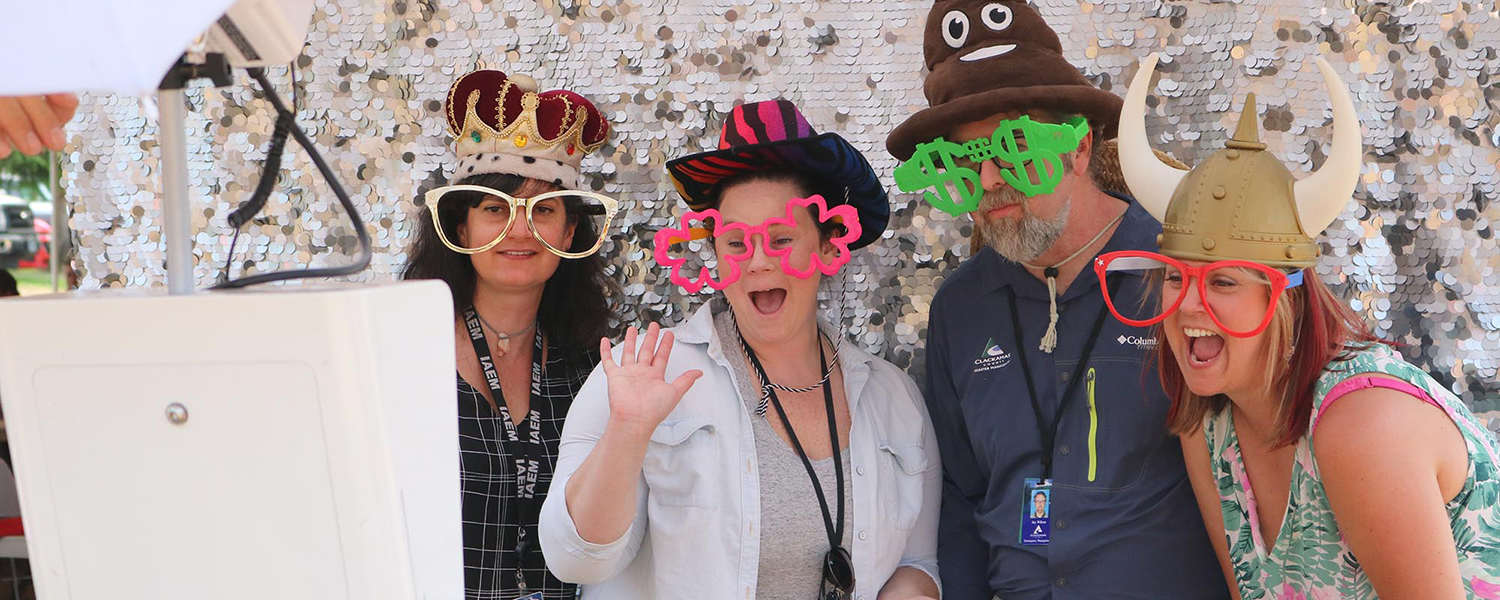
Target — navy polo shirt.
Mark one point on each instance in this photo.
(1133, 530)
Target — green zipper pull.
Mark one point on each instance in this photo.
(1093, 428)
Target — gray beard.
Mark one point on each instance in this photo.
(1021, 240)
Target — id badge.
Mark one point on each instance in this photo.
(531, 596)
(1036, 517)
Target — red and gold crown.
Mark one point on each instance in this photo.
(502, 125)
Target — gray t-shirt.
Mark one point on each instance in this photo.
(793, 539)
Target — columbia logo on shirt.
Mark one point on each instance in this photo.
(1144, 343)
(991, 358)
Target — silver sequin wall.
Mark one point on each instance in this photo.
(1416, 254)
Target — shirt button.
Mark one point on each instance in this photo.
(1061, 524)
(859, 470)
(1065, 450)
(1062, 582)
(1066, 375)
(864, 535)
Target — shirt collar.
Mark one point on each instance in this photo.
(1137, 231)
(699, 329)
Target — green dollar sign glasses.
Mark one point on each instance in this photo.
(1029, 154)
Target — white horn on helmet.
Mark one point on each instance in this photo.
(1150, 180)
(1322, 195)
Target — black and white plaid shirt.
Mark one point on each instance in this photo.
(491, 510)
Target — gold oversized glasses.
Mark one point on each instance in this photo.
(547, 213)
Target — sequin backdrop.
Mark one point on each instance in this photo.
(1416, 254)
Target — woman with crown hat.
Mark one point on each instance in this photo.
(1325, 465)
(517, 245)
(761, 456)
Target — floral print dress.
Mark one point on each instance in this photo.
(1310, 560)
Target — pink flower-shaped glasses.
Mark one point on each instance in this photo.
(712, 224)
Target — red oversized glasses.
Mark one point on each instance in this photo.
(1225, 283)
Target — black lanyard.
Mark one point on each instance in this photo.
(523, 444)
(1048, 431)
(834, 530)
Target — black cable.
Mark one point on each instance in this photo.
(268, 175)
(229, 259)
(251, 207)
(296, 96)
(269, 172)
(287, 119)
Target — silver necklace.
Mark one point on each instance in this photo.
(766, 385)
(502, 344)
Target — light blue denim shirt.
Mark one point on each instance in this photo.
(696, 532)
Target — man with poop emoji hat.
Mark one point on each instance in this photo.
(1031, 385)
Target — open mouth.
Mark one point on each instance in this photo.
(987, 52)
(1204, 346)
(518, 253)
(768, 302)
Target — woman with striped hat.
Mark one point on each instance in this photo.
(752, 452)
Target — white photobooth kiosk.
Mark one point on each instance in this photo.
(248, 443)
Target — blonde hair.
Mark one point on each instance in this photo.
(1311, 330)
(1189, 409)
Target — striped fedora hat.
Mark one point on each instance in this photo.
(772, 135)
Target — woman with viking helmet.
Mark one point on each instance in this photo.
(762, 456)
(517, 245)
(1324, 464)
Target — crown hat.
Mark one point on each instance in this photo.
(1242, 203)
(501, 124)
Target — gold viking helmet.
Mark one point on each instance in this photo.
(1242, 203)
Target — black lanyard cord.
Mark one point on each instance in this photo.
(522, 443)
(1045, 430)
(835, 530)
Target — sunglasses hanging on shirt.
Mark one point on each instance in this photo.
(838, 567)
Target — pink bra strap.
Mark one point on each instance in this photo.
(1360, 382)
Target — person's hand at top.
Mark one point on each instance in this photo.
(32, 124)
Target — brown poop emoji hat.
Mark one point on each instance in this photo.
(987, 57)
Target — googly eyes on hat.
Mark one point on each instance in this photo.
(955, 28)
(995, 16)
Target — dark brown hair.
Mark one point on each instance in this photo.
(806, 183)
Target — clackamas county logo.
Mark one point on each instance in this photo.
(991, 358)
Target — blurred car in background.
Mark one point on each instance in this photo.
(42, 259)
(18, 235)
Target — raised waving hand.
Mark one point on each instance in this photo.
(639, 394)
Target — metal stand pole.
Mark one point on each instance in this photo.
(62, 231)
(176, 205)
(59, 222)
